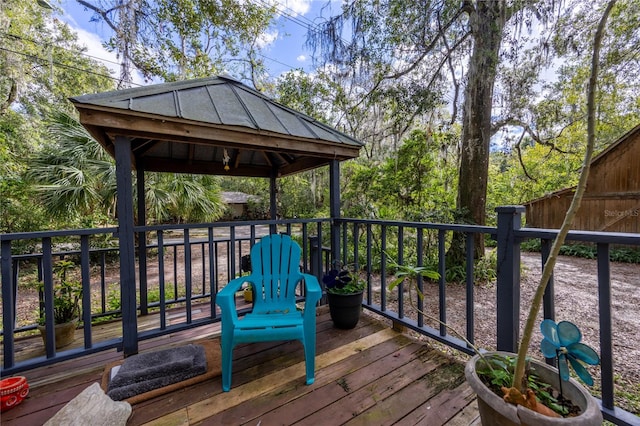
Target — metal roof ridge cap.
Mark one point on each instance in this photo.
(244, 106)
(176, 104)
(306, 124)
(153, 89)
(309, 119)
(267, 104)
(213, 103)
(330, 128)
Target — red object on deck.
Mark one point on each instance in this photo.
(12, 391)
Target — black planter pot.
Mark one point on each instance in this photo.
(345, 309)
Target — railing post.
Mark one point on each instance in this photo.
(508, 277)
(142, 240)
(8, 303)
(334, 208)
(126, 245)
(315, 263)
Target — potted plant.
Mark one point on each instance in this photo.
(247, 293)
(67, 294)
(344, 292)
(245, 269)
(490, 374)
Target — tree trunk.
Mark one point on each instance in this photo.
(487, 22)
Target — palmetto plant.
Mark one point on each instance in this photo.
(73, 174)
(76, 177)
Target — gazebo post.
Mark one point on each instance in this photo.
(334, 207)
(142, 238)
(273, 207)
(124, 199)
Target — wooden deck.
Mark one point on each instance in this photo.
(371, 375)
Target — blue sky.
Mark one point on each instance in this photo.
(284, 42)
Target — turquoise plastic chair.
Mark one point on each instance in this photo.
(275, 266)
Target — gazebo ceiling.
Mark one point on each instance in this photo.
(194, 126)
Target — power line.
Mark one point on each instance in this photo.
(59, 64)
(79, 52)
(308, 25)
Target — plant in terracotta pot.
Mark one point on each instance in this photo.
(344, 291)
(491, 374)
(247, 293)
(67, 294)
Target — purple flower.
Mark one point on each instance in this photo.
(337, 279)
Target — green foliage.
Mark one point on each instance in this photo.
(183, 198)
(114, 303)
(616, 254)
(153, 294)
(42, 66)
(626, 255)
(415, 184)
(343, 280)
(114, 299)
(411, 273)
(74, 174)
(496, 371)
(549, 159)
(76, 183)
(484, 270)
(303, 194)
(182, 39)
(312, 95)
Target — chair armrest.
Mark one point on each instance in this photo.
(225, 298)
(313, 292)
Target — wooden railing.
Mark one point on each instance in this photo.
(196, 260)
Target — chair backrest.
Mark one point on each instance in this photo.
(275, 272)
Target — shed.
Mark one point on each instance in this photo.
(611, 202)
(238, 203)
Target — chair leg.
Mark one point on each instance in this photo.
(227, 358)
(310, 356)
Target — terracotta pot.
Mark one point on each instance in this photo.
(495, 412)
(12, 391)
(65, 333)
(248, 295)
(345, 309)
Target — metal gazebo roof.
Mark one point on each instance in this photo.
(201, 126)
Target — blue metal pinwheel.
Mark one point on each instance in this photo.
(562, 341)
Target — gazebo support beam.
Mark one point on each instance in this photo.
(273, 199)
(142, 238)
(334, 207)
(126, 245)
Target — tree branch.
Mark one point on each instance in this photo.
(103, 13)
(512, 121)
(519, 151)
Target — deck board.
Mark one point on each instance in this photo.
(368, 375)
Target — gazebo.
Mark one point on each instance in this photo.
(214, 125)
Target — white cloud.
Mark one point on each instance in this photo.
(301, 58)
(266, 39)
(294, 7)
(97, 51)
